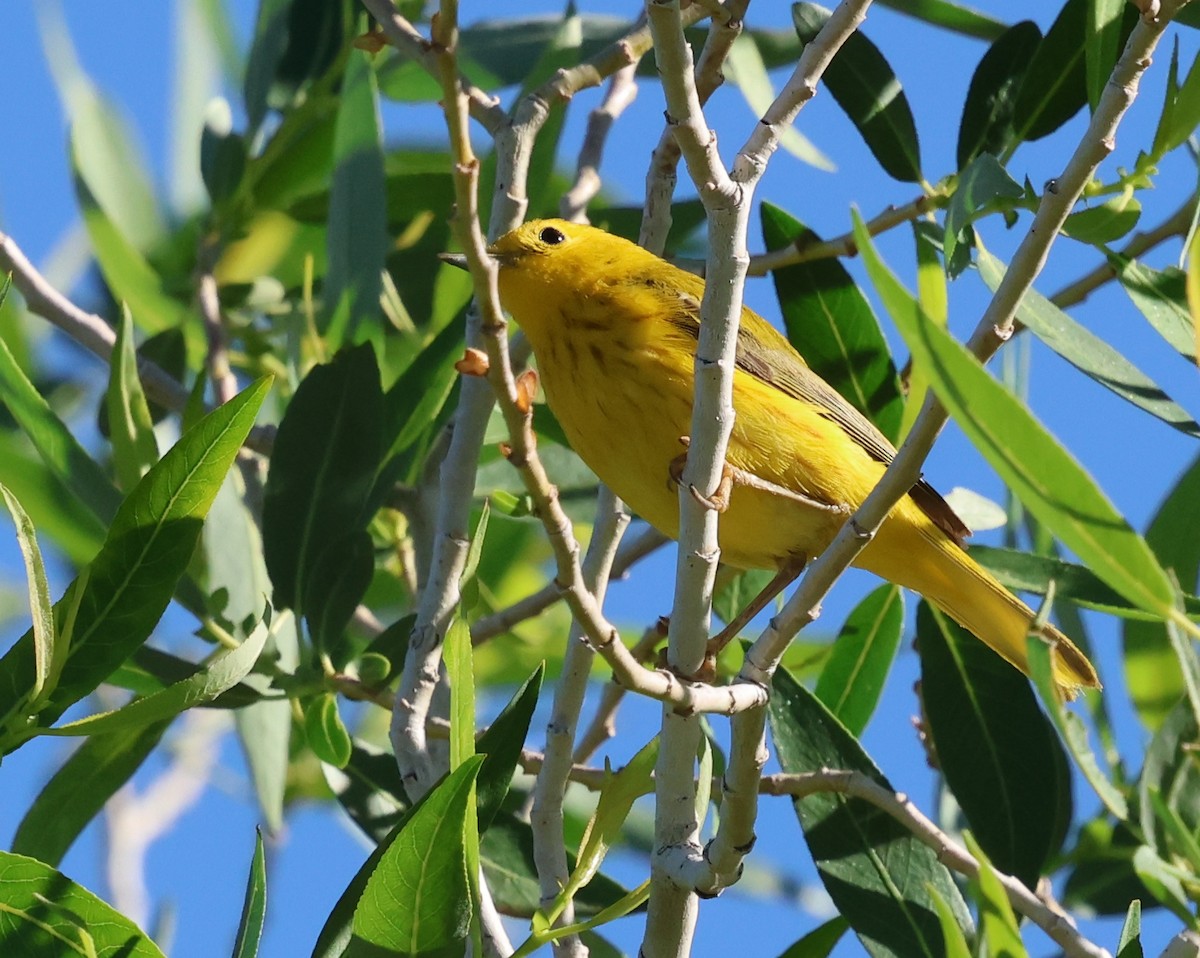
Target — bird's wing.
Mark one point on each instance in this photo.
(765, 354)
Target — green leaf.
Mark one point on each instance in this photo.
(1088, 353)
(46, 915)
(469, 582)
(1071, 728)
(327, 453)
(617, 796)
(129, 583)
(987, 118)
(131, 431)
(934, 299)
(997, 923)
(1102, 45)
(222, 152)
(127, 272)
(1105, 223)
(49, 651)
(501, 747)
(983, 188)
(80, 787)
(875, 870)
(462, 691)
(999, 754)
(952, 934)
(1171, 771)
(416, 398)
(254, 907)
(417, 900)
(1152, 670)
(266, 50)
(1025, 572)
(950, 16)
(853, 677)
(865, 87)
(1163, 883)
(1162, 298)
(327, 735)
(735, 594)
(1181, 108)
(67, 460)
(225, 671)
(1129, 945)
(819, 942)
(357, 238)
(1055, 84)
(1043, 475)
(745, 68)
(832, 325)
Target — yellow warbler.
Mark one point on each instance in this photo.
(614, 329)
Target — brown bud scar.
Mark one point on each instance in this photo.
(506, 450)
(473, 363)
(527, 384)
(372, 42)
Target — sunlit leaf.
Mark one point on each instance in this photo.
(987, 118)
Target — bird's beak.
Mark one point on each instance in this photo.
(454, 259)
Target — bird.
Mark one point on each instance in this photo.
(614, 331)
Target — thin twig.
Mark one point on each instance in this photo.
(546, 820)
(650, 540)
(949, 852)
(622, 90)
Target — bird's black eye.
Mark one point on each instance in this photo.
(552, 237)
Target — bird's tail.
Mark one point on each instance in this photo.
(924, 559)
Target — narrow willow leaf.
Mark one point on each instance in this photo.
(48, 652)
(222, 673)
(734, 595)
(501, 747)
(1179, 839)
(1193, 291)
(222, 152)
(819, 942)
(1129, 945)
(1152, 670)
(744, 66)
(46, 913)
(462, 691)
(1106, 222)
(1055, 84)
(987, 118)
(877, 873)
(1102, 45)
(326, 456)
(1026, 572)
(417, 900)
(853, 677)
(254, 906)
(866, 88)
(469, 582)
(1071, 728)
(416, 398)
(129, 275)
(952, 933)
(325, 731)
(130, 428)
(983, 188)
(831, 323)
(151, 670)
(997, 923)
(617, 796)
(934, 300)
(356, 239)
(998, 752)
(148, 548)
(1163, 882)
(562, 52)
(950, 16)
(1170, 771)
(80, 787)
(1044, 476)
(266, 49)
(1088, 353)
(61, 451)
(1181, 108)
(1162, 298)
